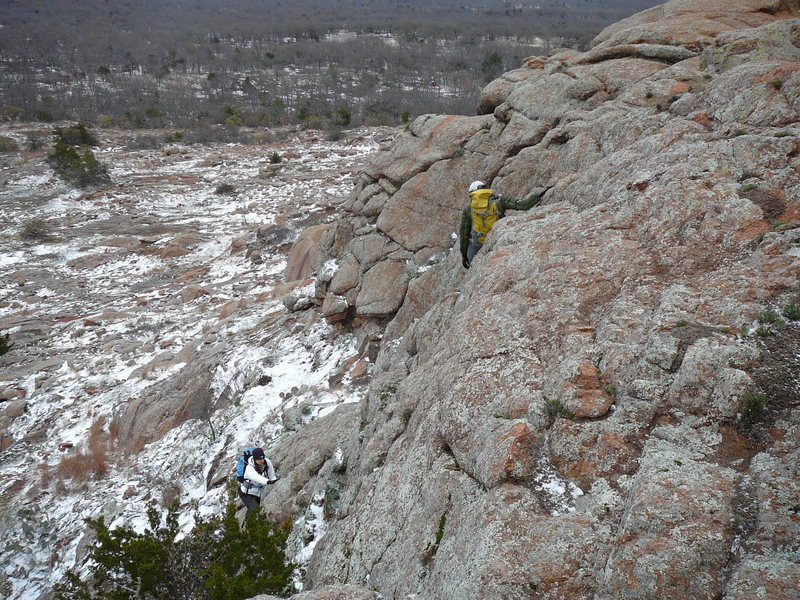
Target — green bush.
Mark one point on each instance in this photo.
(215, 561)
(171, 138)
(5, 344)
(769, 317)
(75, 135)
(79, 168)
(275, 158)
(752, 408)
(792, 312)
(225, 189)
(554, 409)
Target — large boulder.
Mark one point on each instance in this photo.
(306, 255)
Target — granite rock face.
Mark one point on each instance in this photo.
(605, 404)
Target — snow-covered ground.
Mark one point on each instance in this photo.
(104, 310)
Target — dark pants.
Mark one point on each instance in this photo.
(472, 250)
(250, 501)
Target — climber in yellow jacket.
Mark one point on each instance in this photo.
(484, 209)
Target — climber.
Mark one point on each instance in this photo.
(257, 472)
(483, 211)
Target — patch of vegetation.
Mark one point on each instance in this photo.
(748, 187)
(752, 408)
(79, 168)
(146, 142)
(792, 312)
(407, 415)
(768, 323)
(5, 344)
(36, 229)
(610, 391)
(781, 134)
(500, 416)
(231, 118)
(275, 158)
(389, 390)
(75, 135)
(777, 84)
(768, 317)
(439, 534)
(172, 138)
(746, 175)
(739, 132)
(215, 561)
(681, 323)
(554, 410)
(333, 133)
(214, 134)
(764, 331)
(8, 144)
(35, 142)
(225, 189)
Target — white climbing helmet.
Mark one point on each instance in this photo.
(476, 185)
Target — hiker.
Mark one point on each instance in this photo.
(484, 209)
(258, 472)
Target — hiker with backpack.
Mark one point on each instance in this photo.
(483, 211)
(254, 471)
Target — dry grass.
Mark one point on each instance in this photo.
(89, 463)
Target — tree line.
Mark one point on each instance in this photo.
(193, 63)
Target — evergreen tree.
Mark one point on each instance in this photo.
(79, 168)
(215, 561)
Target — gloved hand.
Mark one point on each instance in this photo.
(271, 481)
(465, 262)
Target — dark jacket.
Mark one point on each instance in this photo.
(504, 203)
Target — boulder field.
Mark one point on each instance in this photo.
(605, 405)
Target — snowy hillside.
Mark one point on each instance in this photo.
(160, 270)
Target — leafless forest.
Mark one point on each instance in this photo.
(321, 63)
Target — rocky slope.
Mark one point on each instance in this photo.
(150, 340)
(606, 404)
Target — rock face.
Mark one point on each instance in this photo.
(605, 405)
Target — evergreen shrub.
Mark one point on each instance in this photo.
(75, 135)
(214, 561)
(5, 344)
(81, 169)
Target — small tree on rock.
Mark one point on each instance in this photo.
(78, 167)
(215, 561)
